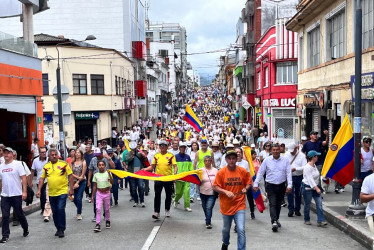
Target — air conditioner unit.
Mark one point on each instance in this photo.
(250, 8)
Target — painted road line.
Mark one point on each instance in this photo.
(151, 238)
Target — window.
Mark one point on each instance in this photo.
(97, 84)
(301, 53)
(117, 85)
(79, 84)
(266, 77)
(45, 84)
(259, 80)
(314, 47)
(287, 73)
(367, 24)
(336, 34)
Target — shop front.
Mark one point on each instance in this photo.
(86, 125)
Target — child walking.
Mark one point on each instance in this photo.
(102, 181)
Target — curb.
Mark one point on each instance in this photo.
(27, 210)
(356, 232)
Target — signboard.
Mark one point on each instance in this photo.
(246, 105)
(311, 100)
(367, 87)
(47, 118)
(86, 115)
(141, 102)
(279, 102)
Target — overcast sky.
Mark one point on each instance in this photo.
(210, 26)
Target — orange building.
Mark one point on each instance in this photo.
(21, 89)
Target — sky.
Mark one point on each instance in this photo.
(210, 25)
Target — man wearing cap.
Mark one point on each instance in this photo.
(303, 141)
(164, 162)
(315, 144)
(93, 169)
(232, 183)
(184, 164)
(297, 161)
(13, 186)
(278, 171)
(135, 162)
(229, 147)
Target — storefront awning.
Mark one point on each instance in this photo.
(238, 70)
(19, 104)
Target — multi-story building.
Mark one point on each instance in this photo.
(326, 63)
(276, 81)
(21, 89)
(117, 24)
(100, 83)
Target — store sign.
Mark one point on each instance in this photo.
(367, 87)
(279, 102)
(47, 118)
(311, 100)
(86, 115)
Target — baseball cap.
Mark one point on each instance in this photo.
(8, 149)
(229, 145)
(182, 144)
(110, 151)
(253, 145)
(203, 141)
(231, 152)
(215, 144)
(97, 152)
(162, 142)
(291, 147)
(303, 138)
(313, 153)
(313, 132)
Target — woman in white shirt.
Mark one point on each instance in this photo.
(367, 158)
(311, 190)
(265, 152)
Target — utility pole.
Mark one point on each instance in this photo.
(356, 209)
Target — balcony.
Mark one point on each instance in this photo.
(250, 37)
(140, 88)
(18, 45)
(139, 50)
(248, 70)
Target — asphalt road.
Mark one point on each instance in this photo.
(133, 228)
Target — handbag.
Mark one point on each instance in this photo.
(215, 193)
(30, 195)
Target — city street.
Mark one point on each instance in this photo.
(132, 229)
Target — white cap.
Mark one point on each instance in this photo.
(133, 145)
(235, 141)
(291, 147)
(229, 145)
(253, 145)
(182, 144)
(303, 138)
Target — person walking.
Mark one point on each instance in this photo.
(297, 161)
(164, 162)
(79, 167)
(184, 164)
(58, 173)
(116, 180)
(232, 183)
(194, 149)
(207, 194)
(366, 159)
(278, 171)
(13, 186)
(311, 189)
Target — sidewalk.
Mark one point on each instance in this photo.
(335, 206)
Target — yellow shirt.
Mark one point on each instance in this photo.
(164, 163)
(187, 135)
(57, 177)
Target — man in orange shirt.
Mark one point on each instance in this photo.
(232, 183)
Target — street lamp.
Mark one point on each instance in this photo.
(59, 94)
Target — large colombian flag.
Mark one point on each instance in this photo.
(256, 195)
(192, 119)
(339, 162)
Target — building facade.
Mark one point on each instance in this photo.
(276, 81)
(326, 63)
(101, 89)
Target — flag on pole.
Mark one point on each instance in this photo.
(339, 162)
(192, 119)
(257, 196)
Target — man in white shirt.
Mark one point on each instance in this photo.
(35, 148)
(13, 191)
(297, 161)
(367, 195)
(37, 166)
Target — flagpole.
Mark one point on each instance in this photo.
(357, 209)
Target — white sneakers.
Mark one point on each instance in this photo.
(142, 204)
(167, 213)
(175, 204)
(135, 205)
(156, 216)
(79, 217)
(188, 209)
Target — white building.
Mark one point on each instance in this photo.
(100, 83)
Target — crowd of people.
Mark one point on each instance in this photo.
(289, 171)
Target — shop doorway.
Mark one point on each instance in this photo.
(85, 128)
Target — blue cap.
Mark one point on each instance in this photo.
(204, 141)
(110, 151)
(313, 153)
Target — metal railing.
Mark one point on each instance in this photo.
(18, 45)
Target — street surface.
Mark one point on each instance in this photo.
(131, 227)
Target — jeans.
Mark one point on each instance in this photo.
(250, 200)
(115, 188)
(239, 218)
(78, 196)
(294, 198)
(43, 196)
(182, 188)
(192, 191)
(16, 203)
(275, 195)
(58, 204)
(137, 189)
(159, 185)
(363, 175)
(308, 195)
(207, 202)
(102, 199)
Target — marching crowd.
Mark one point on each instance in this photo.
(289, 171)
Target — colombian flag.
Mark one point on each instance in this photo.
(192, 119)
(256, 195)
(339, 162)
